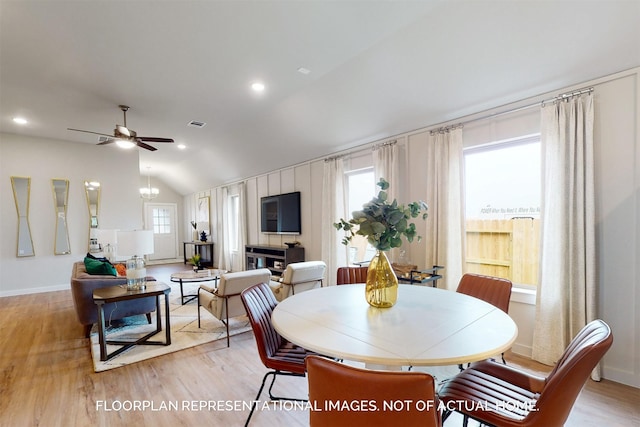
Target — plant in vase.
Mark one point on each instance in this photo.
(383, 224)
(195, 230)
(195, 261)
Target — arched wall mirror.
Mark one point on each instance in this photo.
(21, 194)
(92, 191)
(60, 188)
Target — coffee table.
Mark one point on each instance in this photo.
(191, 276)
(118, 293)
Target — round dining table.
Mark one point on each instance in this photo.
(426, 327)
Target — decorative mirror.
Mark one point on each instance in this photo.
(21, 194)
(60, 188)
(92, 191)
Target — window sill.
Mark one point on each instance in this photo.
(523, 296)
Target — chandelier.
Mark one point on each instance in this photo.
(149, 192)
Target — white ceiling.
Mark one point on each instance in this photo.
(378, 68)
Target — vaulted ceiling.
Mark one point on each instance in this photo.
(376, 69)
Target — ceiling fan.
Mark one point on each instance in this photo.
(122, 134)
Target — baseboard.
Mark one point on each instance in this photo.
(522, 350)
(39, 290)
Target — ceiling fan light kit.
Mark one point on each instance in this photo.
(125, 137)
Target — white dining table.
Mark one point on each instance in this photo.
(426, 327)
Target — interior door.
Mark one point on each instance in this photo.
(161, 217)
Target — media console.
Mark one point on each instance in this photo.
(274, 258)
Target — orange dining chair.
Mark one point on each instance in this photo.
(502, 396)
(350, 275)
(384, 398)
(494, 290)
(276, 353)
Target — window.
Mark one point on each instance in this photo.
(234, 221)
(502, 209)
(161, 221)
(360, 189)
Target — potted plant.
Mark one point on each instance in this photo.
(383, 224)
(195, 261)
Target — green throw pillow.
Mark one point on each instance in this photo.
(95, 266)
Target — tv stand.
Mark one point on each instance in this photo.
(274, 258)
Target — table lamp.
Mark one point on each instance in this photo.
(135, 244)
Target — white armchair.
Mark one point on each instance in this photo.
(224, 300)
(299, 277)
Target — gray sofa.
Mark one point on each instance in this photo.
(82, 286)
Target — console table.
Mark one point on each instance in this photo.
(274, 258)
(205, 249)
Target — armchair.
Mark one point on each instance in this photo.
(299, 277)
(224, 300)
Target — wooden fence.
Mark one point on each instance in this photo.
(507, 248)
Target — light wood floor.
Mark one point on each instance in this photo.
(47, 378)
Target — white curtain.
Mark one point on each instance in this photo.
(231, 247)
(386, 164)
(334, 207)
(224, 256)
(445, 224)
(566, 297)
(239, 260)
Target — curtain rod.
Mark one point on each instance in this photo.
(562, 97)
(438, 127)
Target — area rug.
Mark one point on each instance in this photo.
(184, 332)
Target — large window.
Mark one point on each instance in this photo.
(360, 189)
(502, 209)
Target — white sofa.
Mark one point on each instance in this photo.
(224, 300)
(299, 277)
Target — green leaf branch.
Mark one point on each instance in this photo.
(383, 223)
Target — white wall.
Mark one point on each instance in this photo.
(617, 142)
(43, 160)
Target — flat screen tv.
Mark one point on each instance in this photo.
(280, 214)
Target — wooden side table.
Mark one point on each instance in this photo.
(204, 249)
(110, 294)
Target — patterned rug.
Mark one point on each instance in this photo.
(184, 332)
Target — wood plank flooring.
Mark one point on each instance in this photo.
(47, 378)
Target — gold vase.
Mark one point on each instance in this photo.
(381, 289)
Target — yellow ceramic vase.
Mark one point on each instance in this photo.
(382, 284)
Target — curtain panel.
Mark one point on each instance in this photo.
(445, 224)
(334, 207)
(566, 297)
(386, 164)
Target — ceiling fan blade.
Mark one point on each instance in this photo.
(154, 139)
(146, 146)
(88, 131)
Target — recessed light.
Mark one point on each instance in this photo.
(257, 86)
(303, 70)
(20, 120)
(181, 146)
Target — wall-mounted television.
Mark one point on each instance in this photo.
(280, 214)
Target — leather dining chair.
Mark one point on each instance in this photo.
(502, 396)
(411, 396)
(494, 290)
(276, 353)
(350, 275)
